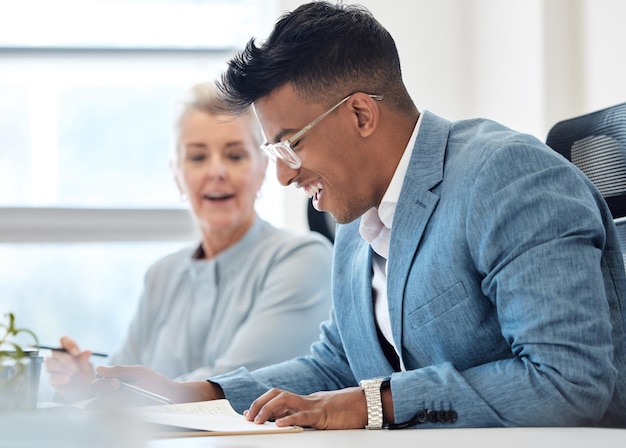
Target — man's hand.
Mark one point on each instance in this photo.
(342, 409)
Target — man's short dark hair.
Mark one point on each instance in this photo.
(326, 51)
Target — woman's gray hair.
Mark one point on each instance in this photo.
(204, 97)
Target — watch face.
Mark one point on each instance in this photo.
(368, 384)
(373, 382)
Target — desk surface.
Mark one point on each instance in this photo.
(71, 428)
(445, 438)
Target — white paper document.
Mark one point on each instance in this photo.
(216, 416)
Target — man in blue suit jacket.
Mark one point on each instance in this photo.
(477, 275)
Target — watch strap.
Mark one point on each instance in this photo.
(373, 398)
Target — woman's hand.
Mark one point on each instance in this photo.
(108, 382)
(71, 372)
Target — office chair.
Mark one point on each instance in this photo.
(596, 143)
(321, 222)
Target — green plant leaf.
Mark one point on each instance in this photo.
(11, 331)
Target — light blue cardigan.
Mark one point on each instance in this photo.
(259, 302)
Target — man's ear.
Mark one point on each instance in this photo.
(366, 112)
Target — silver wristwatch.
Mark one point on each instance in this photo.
(374, 401)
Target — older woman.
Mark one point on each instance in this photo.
(248, 295)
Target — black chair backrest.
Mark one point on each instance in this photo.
(321, 222)
(596, 143)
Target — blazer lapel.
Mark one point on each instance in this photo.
(415, 207)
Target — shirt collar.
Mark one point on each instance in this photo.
(374, 218)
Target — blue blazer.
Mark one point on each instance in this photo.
(506, 292)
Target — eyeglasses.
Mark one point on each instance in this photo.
(284, 151)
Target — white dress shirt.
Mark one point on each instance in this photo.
(375, 228)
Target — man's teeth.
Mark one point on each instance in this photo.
(312, 190)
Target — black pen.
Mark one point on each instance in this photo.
(61, 349)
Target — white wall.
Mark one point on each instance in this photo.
(527, 64)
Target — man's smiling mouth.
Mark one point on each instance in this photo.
(313, 189)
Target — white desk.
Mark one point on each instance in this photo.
(71, 428)
(420, 438)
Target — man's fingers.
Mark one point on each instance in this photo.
(252, 414)
(300, 418)
(278, 405)
(273, 411)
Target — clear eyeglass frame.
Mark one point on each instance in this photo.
(283, 149)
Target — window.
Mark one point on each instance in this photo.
(87, 200)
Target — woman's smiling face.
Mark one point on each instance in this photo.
(220, 168)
